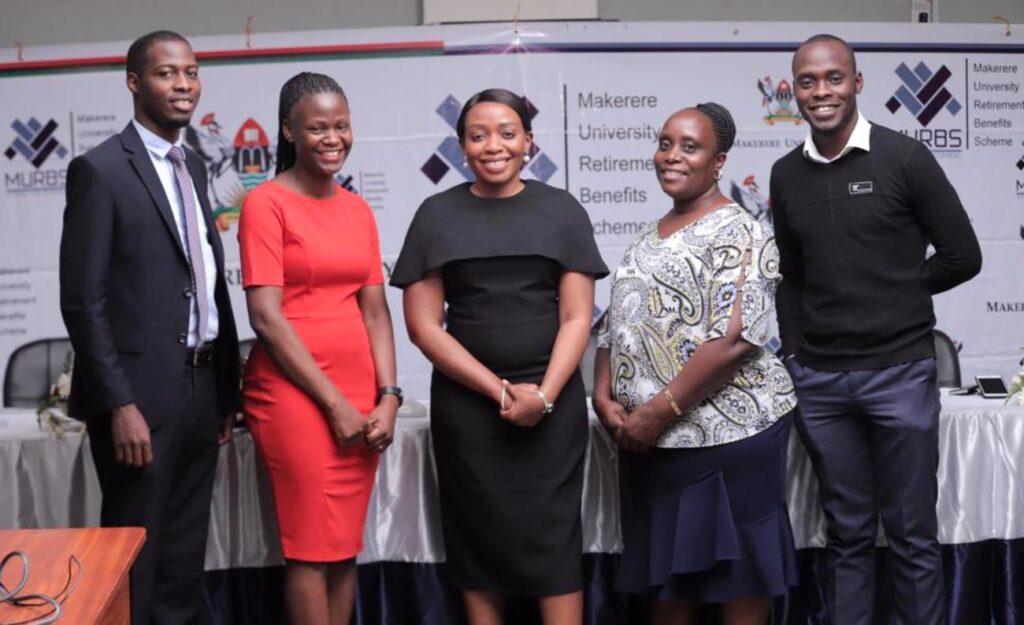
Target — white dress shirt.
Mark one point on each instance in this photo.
(158, 147)
(860, 139)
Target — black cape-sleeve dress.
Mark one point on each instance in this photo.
(510, 495)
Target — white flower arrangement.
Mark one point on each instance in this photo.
(1016, 386)
(53, 411)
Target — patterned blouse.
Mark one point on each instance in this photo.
(670, 295)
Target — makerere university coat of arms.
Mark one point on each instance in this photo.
(778, 101)
(233, 167)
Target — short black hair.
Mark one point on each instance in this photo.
(297, 87)
(138, 52)
(722, 122)
(501, 96)
(827, 38)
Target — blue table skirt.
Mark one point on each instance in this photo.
(984, 586)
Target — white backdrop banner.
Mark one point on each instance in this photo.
(600, 93)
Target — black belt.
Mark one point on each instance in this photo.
(199, 356)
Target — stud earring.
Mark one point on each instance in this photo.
(526, 158)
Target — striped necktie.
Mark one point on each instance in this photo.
(192, 240)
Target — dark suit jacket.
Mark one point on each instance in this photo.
(124, 278)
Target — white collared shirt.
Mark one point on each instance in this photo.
(158, 147)
(860, 139)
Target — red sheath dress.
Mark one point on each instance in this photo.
(321, 252)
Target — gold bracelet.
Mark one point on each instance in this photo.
(672, 402)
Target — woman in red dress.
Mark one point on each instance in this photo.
(319, 389)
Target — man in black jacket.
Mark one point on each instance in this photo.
(855, 208)
(146, 305)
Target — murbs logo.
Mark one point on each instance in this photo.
(448, 154)
(777, 101)
(36, 143)
(233, 167)
(924, 95)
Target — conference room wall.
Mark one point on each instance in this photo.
(398, 135)
(50, 22)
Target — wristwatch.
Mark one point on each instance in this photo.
(390, 390)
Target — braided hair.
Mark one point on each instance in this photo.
(298, 87)
(721, 121)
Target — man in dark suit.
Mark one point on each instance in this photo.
(145, 302)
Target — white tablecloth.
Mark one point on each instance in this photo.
(50, 482)
(981, 475)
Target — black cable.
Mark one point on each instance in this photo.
(38, 599)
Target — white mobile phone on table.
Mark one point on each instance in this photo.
(991, 386)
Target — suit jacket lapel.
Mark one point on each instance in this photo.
(139, 158)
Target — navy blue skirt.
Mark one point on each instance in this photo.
(708, 524)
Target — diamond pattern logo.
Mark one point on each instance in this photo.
(34, 141)
(345, 182)
(448, 155)
(923, 93)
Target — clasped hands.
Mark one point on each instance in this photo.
(377, 429)
(520, 404)
(635, 431)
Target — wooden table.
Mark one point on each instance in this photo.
(106, 554)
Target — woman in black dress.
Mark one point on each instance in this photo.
(515, 262)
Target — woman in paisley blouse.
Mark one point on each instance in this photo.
(697, 404)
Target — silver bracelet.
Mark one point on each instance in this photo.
(548, 406)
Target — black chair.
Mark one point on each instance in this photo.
(947, 360)
(31, 370)
(34, 367)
